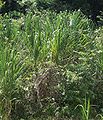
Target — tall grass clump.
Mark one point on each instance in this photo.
(61, 34)
(12, 69)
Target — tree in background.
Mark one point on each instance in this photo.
(96, 8)
(11, 5)
(91, 8)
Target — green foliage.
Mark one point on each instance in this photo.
(99, 116)
(85, 109)
(49, 62)
(12, 68)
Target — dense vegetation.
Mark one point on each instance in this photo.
(51, 62)
(91, 8)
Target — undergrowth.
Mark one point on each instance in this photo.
(49, 62)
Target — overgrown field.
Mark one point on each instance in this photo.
(51, 67)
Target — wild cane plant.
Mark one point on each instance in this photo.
(55, 39)
(33, 38)
(11, 70)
